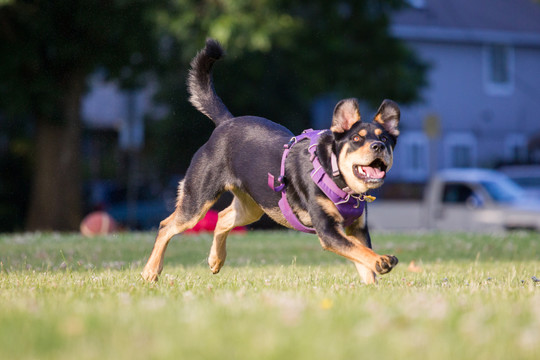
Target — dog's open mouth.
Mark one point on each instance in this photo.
(374, 171)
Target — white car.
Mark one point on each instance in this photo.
(478, 200)
(526, 176)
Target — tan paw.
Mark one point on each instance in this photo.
(385, 264)
(150, 276)
(215, 264)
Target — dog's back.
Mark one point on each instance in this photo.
(234, 145)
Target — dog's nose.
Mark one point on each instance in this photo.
(378, 146)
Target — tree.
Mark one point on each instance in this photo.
(282, 55)
(47, 50)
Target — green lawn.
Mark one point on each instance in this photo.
(279, 296)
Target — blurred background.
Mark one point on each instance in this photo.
(94, 112)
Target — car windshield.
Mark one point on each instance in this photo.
(503, 190)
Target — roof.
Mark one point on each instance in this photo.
(513, 21)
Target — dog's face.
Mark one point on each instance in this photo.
(365, 150)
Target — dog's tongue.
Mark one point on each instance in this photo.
(373, 173)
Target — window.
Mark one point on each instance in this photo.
(461, 194)
(457, 193)
(499, 69)
(460, 150)
(414, 150)
(515, 148)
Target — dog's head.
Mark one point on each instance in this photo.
(364, 150)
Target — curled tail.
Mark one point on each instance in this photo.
(200, 84)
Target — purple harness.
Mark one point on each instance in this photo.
(349, 206)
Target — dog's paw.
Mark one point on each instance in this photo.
(385, 264)
(150, 276)
(215, 264)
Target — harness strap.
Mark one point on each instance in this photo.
(350, 206)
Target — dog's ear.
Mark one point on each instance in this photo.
(346, 114)
(388, 116)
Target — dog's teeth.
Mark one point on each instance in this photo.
(360, 170)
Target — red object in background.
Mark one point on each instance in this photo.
(98, 223)
(208, 224)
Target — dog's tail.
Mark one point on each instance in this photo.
(201, 86)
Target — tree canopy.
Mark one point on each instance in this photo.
(47, 50)
(281, 55)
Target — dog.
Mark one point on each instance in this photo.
(243, 152)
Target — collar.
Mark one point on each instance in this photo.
(350, 206)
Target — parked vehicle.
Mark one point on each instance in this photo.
(462, 200)
(527, 176)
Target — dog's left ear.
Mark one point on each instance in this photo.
(346, 114)
(388, 116)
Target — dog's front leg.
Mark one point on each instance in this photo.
(359, 231)
(356, 248)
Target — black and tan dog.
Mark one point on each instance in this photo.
(241, 152)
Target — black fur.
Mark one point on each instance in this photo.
(243, 150)
(200, 85)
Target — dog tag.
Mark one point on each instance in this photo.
(369, 198)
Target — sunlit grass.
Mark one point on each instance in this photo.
(279, 296)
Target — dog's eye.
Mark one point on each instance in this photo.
(356, 138)
(384, 139)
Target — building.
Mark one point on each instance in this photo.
(481, 105)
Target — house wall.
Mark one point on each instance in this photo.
(460, 97)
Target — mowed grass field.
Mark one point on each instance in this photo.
(279, 296)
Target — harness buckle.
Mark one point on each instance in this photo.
(280, 181)
(291, 142)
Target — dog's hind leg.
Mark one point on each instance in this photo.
(366, 274)
(187, 214)
(242, 211)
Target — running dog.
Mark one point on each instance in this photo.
(324, 176)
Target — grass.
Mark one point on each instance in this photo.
(279, 296)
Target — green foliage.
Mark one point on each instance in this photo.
(44, 43)
(281, 56)
(279, 296)
(47, 50)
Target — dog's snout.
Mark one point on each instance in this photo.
(378, 146)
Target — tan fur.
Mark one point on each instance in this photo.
(276, 215)
(346, 161)
(329, 208)
(303, 216)
(366, 274)
(242, 211)
(378, 118)
(362, 132)
(358, 253)
(362, 156)
(169, 227)
(345, 116)
(391, 125)
(355, 231)
(378, 132)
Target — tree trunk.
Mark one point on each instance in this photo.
(56, 197)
